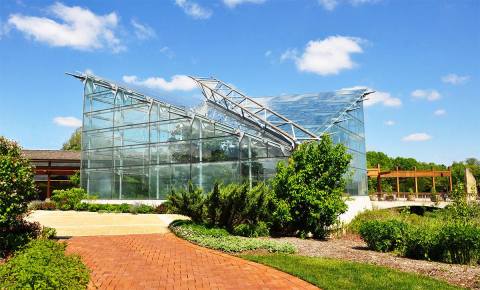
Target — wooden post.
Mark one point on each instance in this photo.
(379, 180)
(48, 180)
(433, 178)
(398, 184)
(416, 181)
(450, 178)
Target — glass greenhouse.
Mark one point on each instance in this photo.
(138, 147)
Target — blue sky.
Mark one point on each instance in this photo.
(421, 57)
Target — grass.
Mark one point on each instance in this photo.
(220, 239)
(337, 274)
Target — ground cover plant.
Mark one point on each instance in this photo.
(221, 239)
(338, 274)
(42, 264)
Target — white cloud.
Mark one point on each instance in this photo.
(194, 9)
(68, 122)
(328, 4)
(235, 3)
(268, 53)
(390, 123)
(178, 82)
(78, 28)
(430, 95)
(332, 4)
(440, 112)
(167, 52)
(417, 137)
(142, 31)
(455, 79)
(326, 57)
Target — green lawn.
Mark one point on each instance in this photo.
(337, 274)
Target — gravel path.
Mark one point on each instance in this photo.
(354, 249)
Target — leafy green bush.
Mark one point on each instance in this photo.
(368, 215)
(41, 205)
(17, 186)
(67, 199)
(16, 236)
(422, 242)
(189, 202)
(312, 186)
(461, 243)
(220, 239)
(236, 206)
(44, 265)
(383, 236)
(248, 230)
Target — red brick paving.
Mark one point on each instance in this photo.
(163, 261)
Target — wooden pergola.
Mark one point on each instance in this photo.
(53, 167)
(433, 173)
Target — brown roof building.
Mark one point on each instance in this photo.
(53, 169)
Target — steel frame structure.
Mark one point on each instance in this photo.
(133, 143)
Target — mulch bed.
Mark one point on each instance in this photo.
(352, 248)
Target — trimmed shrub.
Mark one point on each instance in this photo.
(383, 236)
(17, 186)
(311, 185)
(44, 265)
(67, 199)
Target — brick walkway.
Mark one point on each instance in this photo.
(163, 261)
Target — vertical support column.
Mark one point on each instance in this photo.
(200, 154)
(433, 178)
(450, 178)
(416, 181)
(398, 183)
(250, 162)
(49, 193)
(379, 180)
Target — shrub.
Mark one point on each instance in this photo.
(368, 215)
(17, 186)
(248, 230)
(161, 209)
(461, 243)
(236, 204)
(82, 206)
(189, 202)
(41, 205)
(16, 236)
(44, 265)
(312, 186)
(67, 199)
(383, 236)
(422, 242)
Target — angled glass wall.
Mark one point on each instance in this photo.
(135, 147)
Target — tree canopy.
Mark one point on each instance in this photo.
(75, 141)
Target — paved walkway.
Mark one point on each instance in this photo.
(163, 261)
(80, 223)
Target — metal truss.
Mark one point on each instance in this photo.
(230, 100)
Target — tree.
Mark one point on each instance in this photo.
(17, 185)
(75, 141)
(310, 187)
